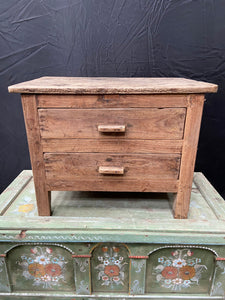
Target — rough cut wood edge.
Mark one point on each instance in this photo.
(36, 154)
(214, 200)
(112, 85)
(112, 145)
(111, 101)
(13, 190)
(192, 123)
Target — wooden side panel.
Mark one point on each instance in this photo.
(36, 153)
(191, 135)
(110, 101)
(152, 123)
(78, 166)
(112, 145)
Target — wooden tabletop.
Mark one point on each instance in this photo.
(112, 85)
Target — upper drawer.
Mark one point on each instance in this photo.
(148, 123)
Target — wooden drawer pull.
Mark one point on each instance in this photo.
(111, 128)
(111, 170)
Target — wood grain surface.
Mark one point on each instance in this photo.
(73, 166)
(36, 154)
(112, 85)
(112, 145)
(148, 123)
(110, 101)
(191, 135)
(112, 185)
(80, 130)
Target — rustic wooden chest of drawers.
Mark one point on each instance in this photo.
(111, 247)
(113, 134)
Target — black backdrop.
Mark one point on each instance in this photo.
(126, 38)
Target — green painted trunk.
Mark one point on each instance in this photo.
(111, 245)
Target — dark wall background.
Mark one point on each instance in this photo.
(127, 38)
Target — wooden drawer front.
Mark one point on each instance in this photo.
(151, 123)
(79, 170)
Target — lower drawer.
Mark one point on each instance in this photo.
(109, 172)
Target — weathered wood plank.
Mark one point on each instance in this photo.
(111, 225)
(25, 203)
(111, 101)
(13, 190)
(152, 123)
(71, 166)
(114, 185)
(191, 135)
(36, 153)
(199, 208)
(101, 296)
(213, 199)
(112, 85)
(112, 145)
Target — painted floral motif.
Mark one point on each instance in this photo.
(169, 272)
(26, 207)
(43, 267)
(180, 270)
(111, 267)
(138, 264)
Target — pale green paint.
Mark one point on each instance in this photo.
(26, 276)
(110, 259)
(4, 279)
(213, 199)
(82, 275)
(137, 276)
(11, 193)
(199, 273)
(218, 287)
(65, 296)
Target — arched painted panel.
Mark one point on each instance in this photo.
(40, 268)
(110, 268)
(180, 270)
